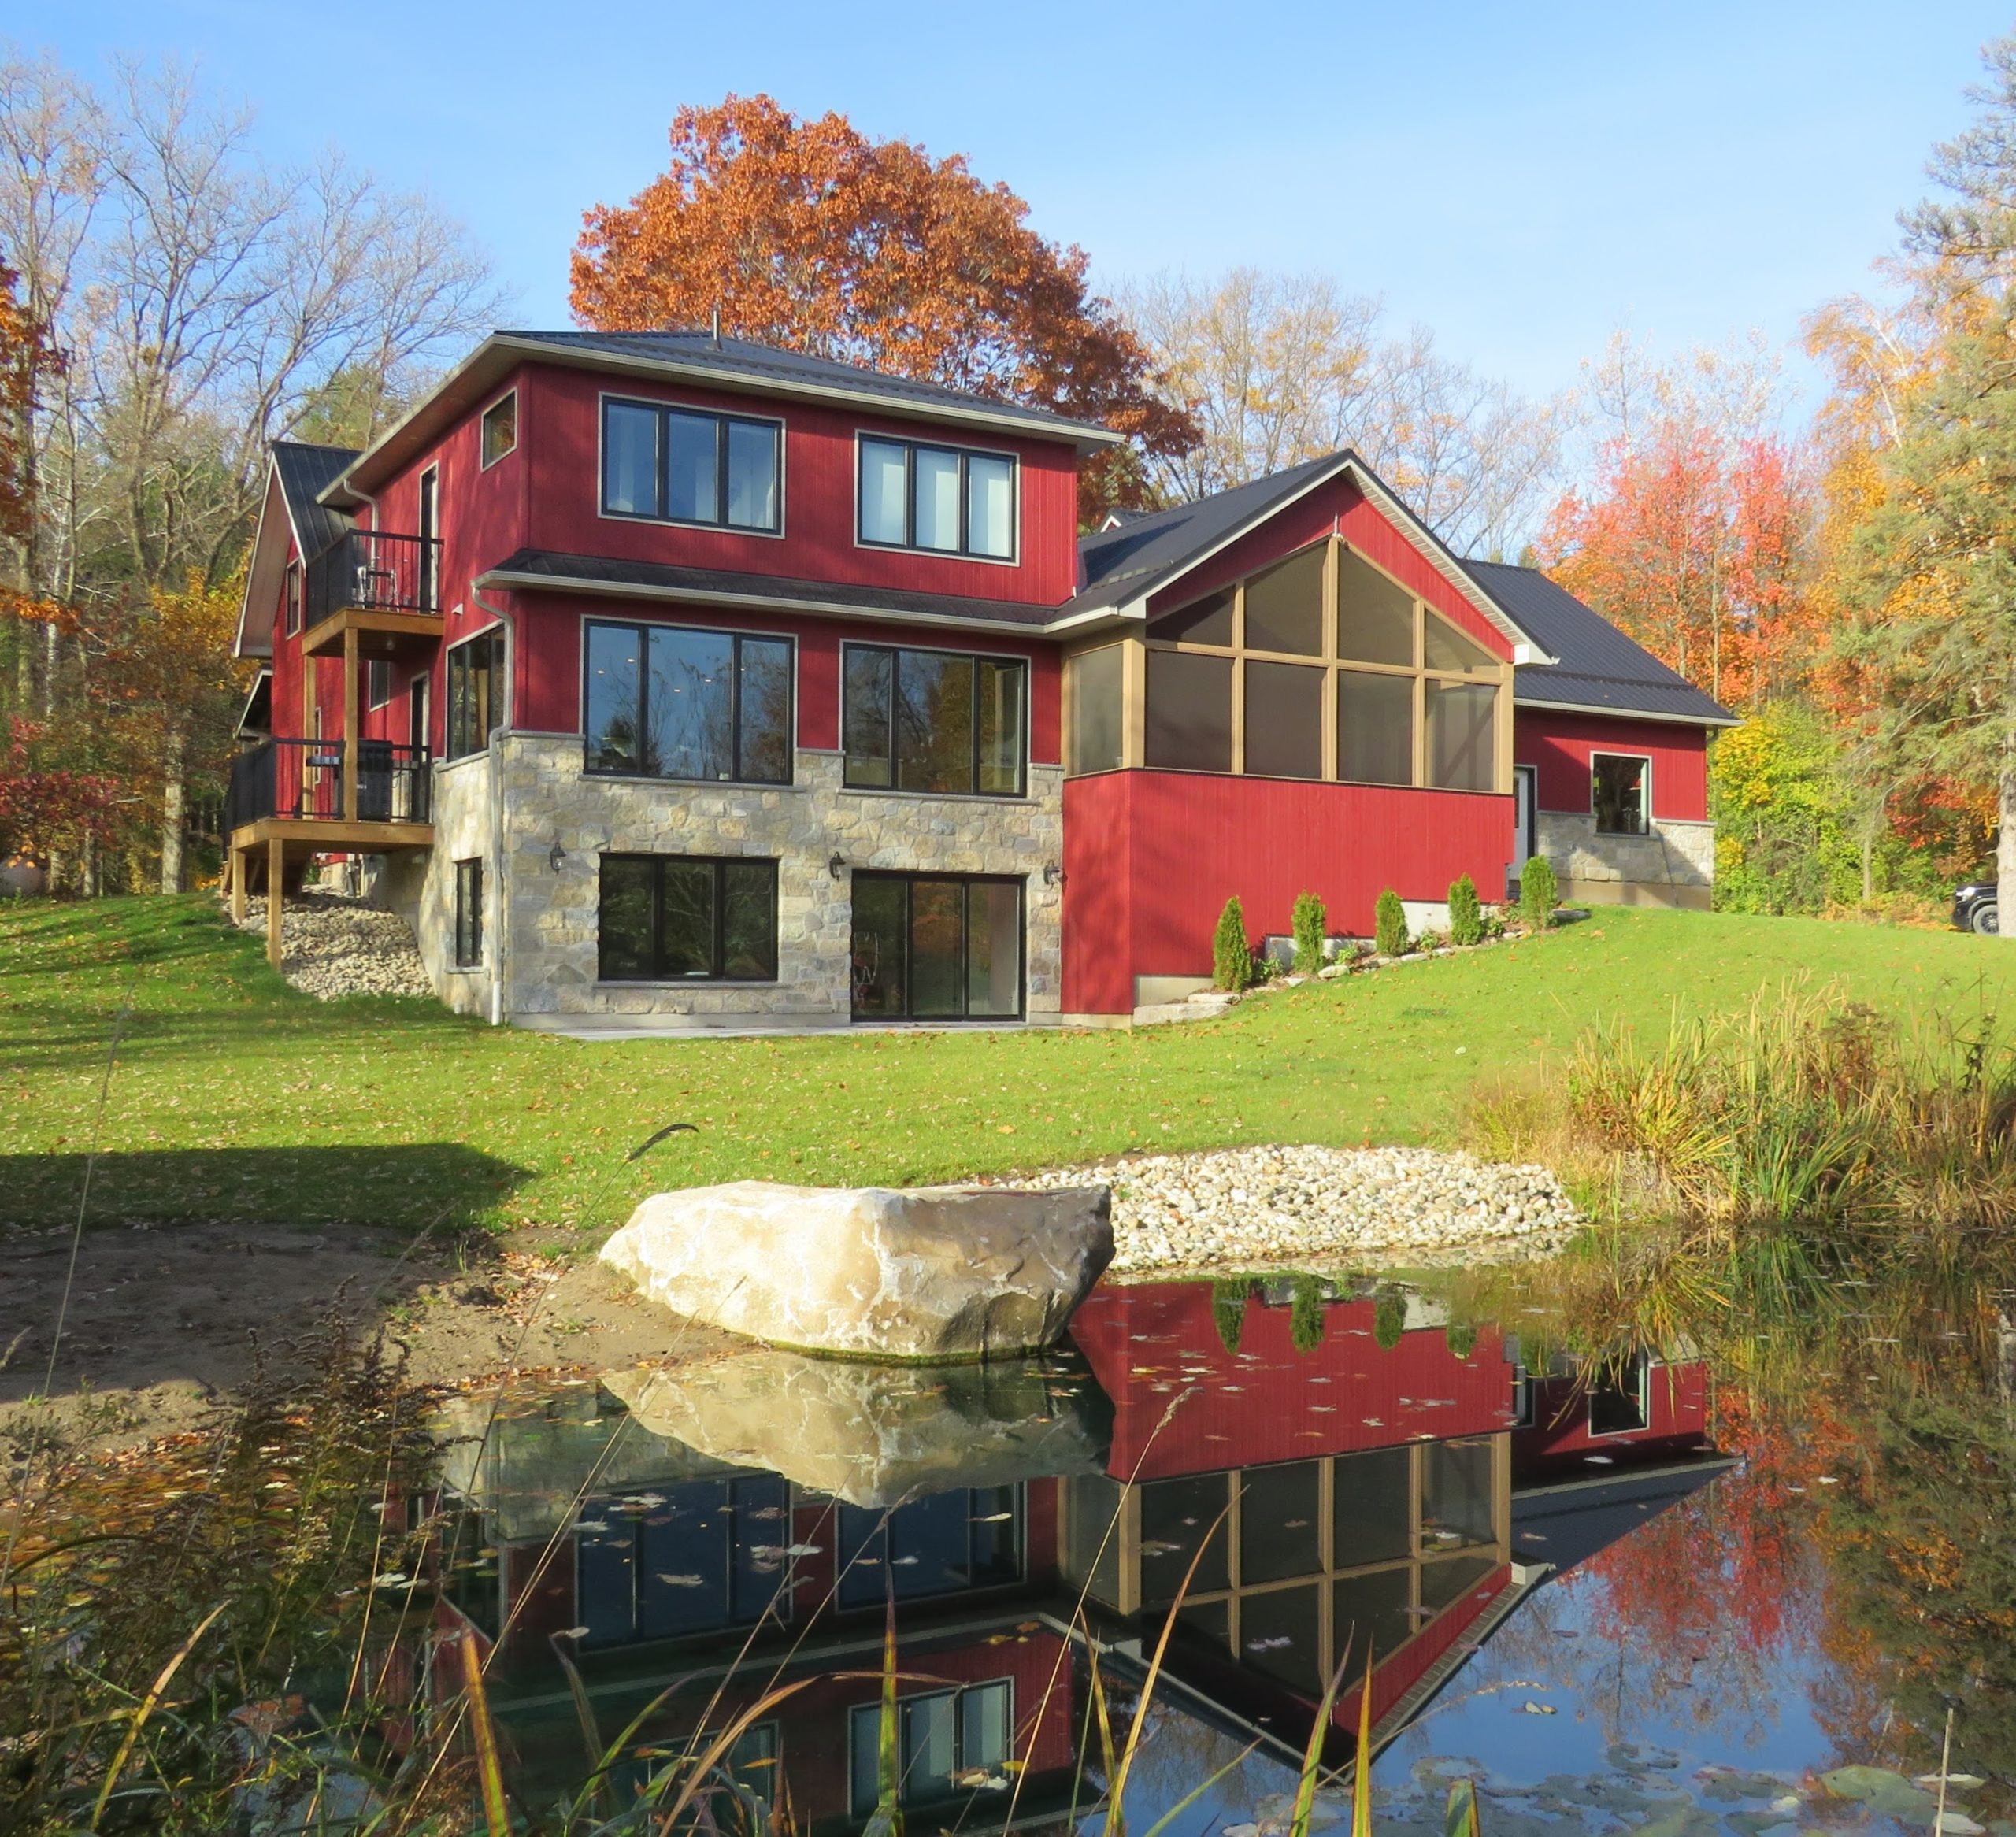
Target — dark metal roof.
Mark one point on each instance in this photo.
(1599, 666)
(306, 472)
(545, 567)
(740, 359)
(1121, 564)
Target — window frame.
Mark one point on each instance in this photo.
(1019, 794)
(955, 1693)
(497, 636)
(909, 546)
(722, 418)
(468, 937)
(1331, 664)
(291, 596)
(644, 627)
(486, 459)
(377, 670)
(1595, 814)
(716, 976)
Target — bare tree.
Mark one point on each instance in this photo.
(1278, 368)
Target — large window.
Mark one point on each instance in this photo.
(1621, 793)
(947, 1741)
(667, 701)
(1320, 666)
(708, 1554)
(475, 692)
(688, 918)
(959, 503)
(677, 465)
(934, 720)
(1096, 683)
(946, 1543)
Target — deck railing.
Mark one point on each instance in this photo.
(377, 572)
(301, 781)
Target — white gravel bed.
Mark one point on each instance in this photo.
(1247, 1208)
(331, 945)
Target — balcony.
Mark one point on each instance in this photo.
(300, 789)
(384, 589)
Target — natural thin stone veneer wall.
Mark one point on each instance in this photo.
(1674, 865)
(544, 946)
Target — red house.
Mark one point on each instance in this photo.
(655, 674)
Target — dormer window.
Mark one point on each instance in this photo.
(678, 465)
(942, 498)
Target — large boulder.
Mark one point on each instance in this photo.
(875, 1435)
(934, 1273)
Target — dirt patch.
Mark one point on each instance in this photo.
(163, 1322)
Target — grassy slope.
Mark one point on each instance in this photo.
(235, 1098)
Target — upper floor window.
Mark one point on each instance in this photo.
(1321, 666)
(500, 427)
(938, 498)
(293, 591)
(678, 465)
(934, 720)
(1620, 793)
(475, 692)
(667, 701)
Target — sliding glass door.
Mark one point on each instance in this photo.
(937, 947)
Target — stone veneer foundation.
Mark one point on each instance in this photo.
(1674, 866)
(514, 806)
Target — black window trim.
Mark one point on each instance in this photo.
(291, 596)
(469, 878)
(955, 1691)
(1645, 759)
(721, 417)
(1019, 794)
(909, 877)
(483, 430)
(909, 546)
(715, 978)
(786, 638)
(372, 667)
(498, 633)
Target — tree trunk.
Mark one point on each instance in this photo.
(173, 819)
(2005, 839)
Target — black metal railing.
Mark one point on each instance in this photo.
(300, 781)
(377, 572)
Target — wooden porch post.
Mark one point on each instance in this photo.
(351, 723)
(275, 873)
(240, 860)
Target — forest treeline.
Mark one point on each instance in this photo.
(169, 301)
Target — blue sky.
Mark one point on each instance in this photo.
(1521, 178)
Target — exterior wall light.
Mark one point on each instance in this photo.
(1053, 876)
(557, 859)
(837, 866)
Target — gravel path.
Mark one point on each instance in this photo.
(331, 945)
(1244, 1208)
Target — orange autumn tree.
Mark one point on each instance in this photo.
(810, 235)
(1695, 543)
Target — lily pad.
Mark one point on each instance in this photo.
(1882, 1790)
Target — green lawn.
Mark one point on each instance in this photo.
(235, 1098)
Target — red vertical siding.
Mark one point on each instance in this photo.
(1560, 1439)
(1181, 843)
(1558, 747)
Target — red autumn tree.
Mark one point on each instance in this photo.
(810, 235)
(1695, 545)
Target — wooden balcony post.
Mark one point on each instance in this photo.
(351, 723)
(275, 874)
(241, 859)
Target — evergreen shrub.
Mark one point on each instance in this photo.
(1390, 925)
(1465, 912)
(1232, 956)
(1539, 893)
(1309, 924)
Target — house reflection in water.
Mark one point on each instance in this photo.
(749, 1519)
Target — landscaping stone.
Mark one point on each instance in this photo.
(1246, 1208)
(933, 1273)
(875, 1436)
(332, 945)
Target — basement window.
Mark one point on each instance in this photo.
(1621, 793)
(468, 914)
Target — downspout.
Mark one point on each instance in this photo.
(502, 929)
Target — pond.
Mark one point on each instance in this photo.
(1656, 1589)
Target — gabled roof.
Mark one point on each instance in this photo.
(297, 474)
(697, 357)
(1597, 669)
(305, 472)
(1124, 565)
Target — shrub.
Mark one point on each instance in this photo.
(1389, 928)
(1306, 1313)
(1389, 1319)
(1538, 892)
(1309, 923)
(1229, 1300)
(1465, 913)
(1231, 957)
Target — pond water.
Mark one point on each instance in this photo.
(1619, 1595)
